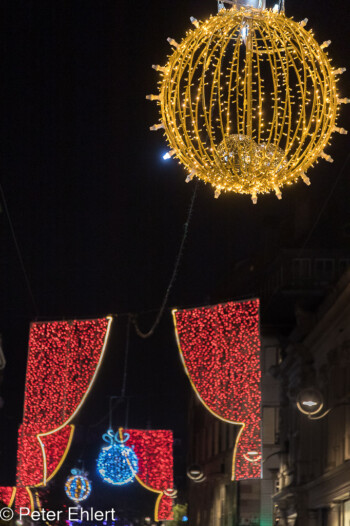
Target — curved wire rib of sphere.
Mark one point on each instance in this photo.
(248, 101)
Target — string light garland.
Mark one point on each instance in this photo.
(248, 101)
(117, 463)
(220, 350)
(63, 361)
(77, 486)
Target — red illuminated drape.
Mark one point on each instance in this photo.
(220, 350)
(63, 360)
(154, 450)
(7, 495)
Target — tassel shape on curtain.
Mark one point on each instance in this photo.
(154, 451)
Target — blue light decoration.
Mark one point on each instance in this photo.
(78, 486)
(117, 463)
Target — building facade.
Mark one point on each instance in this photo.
(313, 482)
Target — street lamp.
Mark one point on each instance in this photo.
(310, 401)
(252, 456)
(171, 493)
(195, 473)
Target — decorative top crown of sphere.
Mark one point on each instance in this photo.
(248, 100)
(248, 3)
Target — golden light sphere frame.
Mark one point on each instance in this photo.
(248, 101)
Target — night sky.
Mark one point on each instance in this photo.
(97, 213)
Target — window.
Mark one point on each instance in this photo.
(203, 437)
(223, 443)
(216, 437)
(346, 513)
(269, 357)
(324, 269)
(210, 442)
(301, 268)
(222, 505)
(227, 430)
(197, 448)
(270, 425)
(232, 435)
(343, 265)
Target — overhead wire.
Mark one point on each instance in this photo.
(18, 251)
(149, 333)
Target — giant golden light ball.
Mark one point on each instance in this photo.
(248, 101)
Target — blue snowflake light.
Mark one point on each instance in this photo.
(117, 463)
(78, 486)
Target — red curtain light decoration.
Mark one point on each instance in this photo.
(47, 451)
(154, 451)
(7, 495)
(63, 361)
(220, 349)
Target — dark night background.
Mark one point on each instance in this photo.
(99, 215)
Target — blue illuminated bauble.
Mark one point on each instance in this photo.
(78, 486)
(117, 463)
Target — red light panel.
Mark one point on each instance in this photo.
(154, 450)
(220, 349)
(7, 495)
(63, 360)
